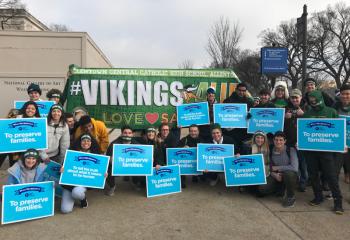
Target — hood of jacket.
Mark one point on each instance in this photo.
(319, 99)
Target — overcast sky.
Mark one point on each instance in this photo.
(164, 33)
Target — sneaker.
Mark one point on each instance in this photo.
(214, 182)
(329, 196)
(338, 209)
(110, 191)
(84, 203)
(288, 202)
(316, 202)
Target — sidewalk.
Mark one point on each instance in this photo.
(199, 212)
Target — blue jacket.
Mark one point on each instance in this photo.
(15, 174)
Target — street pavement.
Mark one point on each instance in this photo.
(198, 212)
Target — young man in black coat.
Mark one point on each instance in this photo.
(127, 137)
(191, 140)
(218, 138)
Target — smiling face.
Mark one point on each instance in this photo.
(30, 162)
(164, 132)
(345, 97)
(280, 93)
(85, 144)
(216, 134)
(34, 96)
(259, 140)
(211, 97)
(241, 91)
(30, 110)
(194, 132)
(70, 122)
(151, 135)
(56, 115)
(264, 98)
(88, 128)
(279, 142)
(295, 100)
(310, 86)
(312, 101)
(127, 133)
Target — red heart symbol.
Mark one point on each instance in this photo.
(152, 117)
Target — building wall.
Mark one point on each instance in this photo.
(42, 57)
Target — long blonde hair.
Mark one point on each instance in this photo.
(264, 149)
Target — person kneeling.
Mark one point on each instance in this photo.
(283, 171)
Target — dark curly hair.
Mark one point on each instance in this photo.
(26, 104)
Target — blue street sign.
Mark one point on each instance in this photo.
(274, 60)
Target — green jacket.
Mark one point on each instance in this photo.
(320, 110)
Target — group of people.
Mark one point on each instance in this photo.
(286, 167)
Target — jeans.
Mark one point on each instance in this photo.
(69, 197)
(303, 175)
(289, 179)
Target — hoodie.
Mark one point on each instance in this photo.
(320, 110)
(18, 172)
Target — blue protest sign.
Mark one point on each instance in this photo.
(20, 134)
(84, 169)
(164, 181)
(22, 202)
(244, 170)
(52, 173)
(44, 106)
(274, 60)
(347, 123)
(321, 134)
(186, 158)
(211, 156)
(230, 115)
(132, 160)
(193, 113)
(268, 120)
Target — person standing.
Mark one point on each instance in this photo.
(322, 161)
(127, 137)
(280, 94)
(293, 112)
(57, 135)
(240, 95)
(191, 140)
(343, 108)
(204, 130)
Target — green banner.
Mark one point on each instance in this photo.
(142, 97)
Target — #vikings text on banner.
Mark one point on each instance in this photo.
(142, 97)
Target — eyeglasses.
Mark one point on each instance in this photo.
(242, 90)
